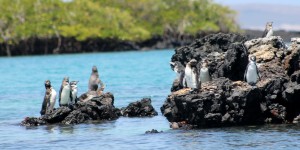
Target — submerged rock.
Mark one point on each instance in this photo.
(227, 100)
(153, 131)
(139, 109)
(98, 108)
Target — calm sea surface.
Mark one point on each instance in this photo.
(130, 76)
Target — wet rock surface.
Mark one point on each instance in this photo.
(227, 100)
(98, 108)
(142, 108)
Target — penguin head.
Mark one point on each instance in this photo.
(94, 69)
(192, 62)
(253, 58)
(269, 25)
(73, 83)
(66, 79)
(204, 63)
(47, 83)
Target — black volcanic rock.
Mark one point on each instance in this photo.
(98, 108)
(226, 54)
(139, 109)
(227, 100)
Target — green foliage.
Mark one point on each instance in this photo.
(122, 19)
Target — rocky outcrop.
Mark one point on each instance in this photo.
(140, 108)
(225, 53)
(227, 100)
(98, 108)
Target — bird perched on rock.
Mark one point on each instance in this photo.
(65, 94)
(74, 91)
(191, 75)
(204, 72)
(268, 30)
(49, 98)
(95, 79)
(252, 73)
(179, 69)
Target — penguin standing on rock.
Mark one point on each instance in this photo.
(95, 79)
(268, 31)
(204, 72)
(179, 69)
(65, 93)
(49, 98)
(74, 91)
(252, 73)
(191, 76)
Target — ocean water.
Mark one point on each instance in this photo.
(130, 76)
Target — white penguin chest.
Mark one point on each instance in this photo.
(65, 94)
(53, 96)
(188, 73)
(204, 75)
(270, 33)
(191, 77)
(74, 93)
(252, 73)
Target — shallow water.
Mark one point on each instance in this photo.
(130, 76)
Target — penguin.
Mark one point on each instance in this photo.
(268, 31)
(49, 98)
(178, 68)
(74, 91)
(94, 79)
(46, 98)
(251, 75)
(65, 93)
(191, 76)
(52, 98)
(204, 72)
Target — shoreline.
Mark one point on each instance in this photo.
(38, 46)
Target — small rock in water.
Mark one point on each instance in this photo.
(153, 131)
(140, 108)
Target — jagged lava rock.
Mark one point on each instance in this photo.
(225, 53)
(227, 100)
(139, 109)
(98, 108)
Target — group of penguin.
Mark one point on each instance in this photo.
(68, 92)
(191, 77)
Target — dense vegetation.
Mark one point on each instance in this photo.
(132, 20)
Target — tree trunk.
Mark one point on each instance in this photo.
(57, 49)
(8, 53)
(46, 46)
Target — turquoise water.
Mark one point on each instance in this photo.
(130, 76)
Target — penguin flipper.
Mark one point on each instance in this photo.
(245, 74)
(44, 105)
(265, 33)
(59, 94)
(71, 96)
(184, 82)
